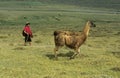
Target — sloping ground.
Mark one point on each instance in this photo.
(100, 55)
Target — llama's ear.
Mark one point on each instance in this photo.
(90, 20)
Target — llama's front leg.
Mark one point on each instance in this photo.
(55, 52)
(77, 52)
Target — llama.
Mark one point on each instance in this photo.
(72, 40)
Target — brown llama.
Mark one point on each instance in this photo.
(72, 40)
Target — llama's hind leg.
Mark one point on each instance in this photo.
(77, 52)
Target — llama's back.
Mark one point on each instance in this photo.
(69, 33)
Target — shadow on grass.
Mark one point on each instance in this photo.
(117, 69)
(3, 37)
(19, 48)
(118, 33)
(116, 54)
(51, 56)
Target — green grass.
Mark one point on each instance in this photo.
(100, 55)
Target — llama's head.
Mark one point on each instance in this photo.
(91, 24)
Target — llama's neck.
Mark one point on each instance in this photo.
(86, 30)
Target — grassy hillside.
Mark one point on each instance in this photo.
(100, 55)
(111, 4)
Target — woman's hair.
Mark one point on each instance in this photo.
(27, 23)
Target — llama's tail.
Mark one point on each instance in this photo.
(57, 32)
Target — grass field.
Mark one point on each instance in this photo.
(100, 55)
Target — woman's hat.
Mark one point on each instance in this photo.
(27, 23)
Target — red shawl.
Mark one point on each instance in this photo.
(27, 29)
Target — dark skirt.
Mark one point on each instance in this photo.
(27, 38)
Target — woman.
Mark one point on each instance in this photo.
(27, 33)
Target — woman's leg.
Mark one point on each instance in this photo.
(29, 40)
(26, 39)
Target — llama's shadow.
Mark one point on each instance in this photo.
(51, 56)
